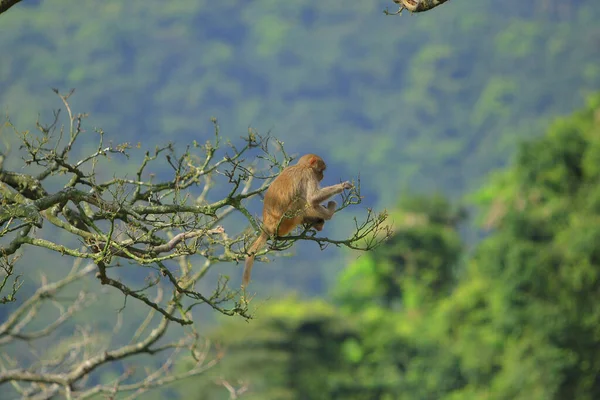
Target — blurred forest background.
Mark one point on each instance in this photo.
(446, 115)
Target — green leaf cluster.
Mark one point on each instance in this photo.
(422, 317)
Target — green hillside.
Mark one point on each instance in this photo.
(422, 102)
(418, 319)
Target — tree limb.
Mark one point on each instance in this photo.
(6, 4)
(415, 6)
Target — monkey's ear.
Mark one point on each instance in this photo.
(313, 160)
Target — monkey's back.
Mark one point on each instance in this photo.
(285, 194)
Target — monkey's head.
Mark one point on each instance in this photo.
(315, 163)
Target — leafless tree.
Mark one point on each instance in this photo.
(67, 366)
(169, 215)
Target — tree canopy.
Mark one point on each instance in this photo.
(420, 318)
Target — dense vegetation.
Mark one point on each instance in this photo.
(418, 319)
(425, 102)
(398, 99)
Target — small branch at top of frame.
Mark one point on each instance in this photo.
(415, 6)
(6, 4)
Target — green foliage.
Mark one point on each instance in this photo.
(452, 90)
(293, 351)
(544, 260)
(415, 265)
(519, 321)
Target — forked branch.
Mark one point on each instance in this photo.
(154, 215)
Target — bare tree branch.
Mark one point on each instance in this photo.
(147, 221)
(169, 215)
(415, 6)
(6, 4)
(75, 364)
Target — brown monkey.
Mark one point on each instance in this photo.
(294, 198)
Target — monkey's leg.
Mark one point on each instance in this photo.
(314, 222)
(331, 206)
(316, 216)
(321, 212)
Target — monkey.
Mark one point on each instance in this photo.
(295, 198)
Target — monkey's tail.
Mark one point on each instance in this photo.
(256, 246)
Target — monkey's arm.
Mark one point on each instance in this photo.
(320, 195)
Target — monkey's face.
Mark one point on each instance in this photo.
(320, 171)
(315, 163)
